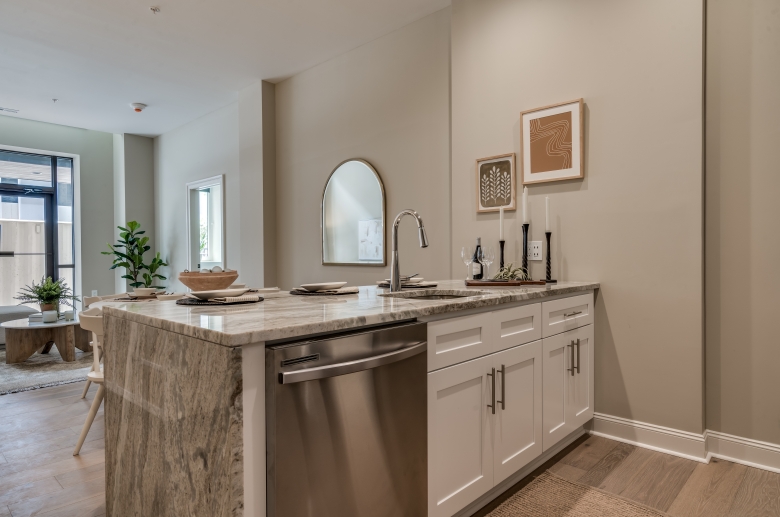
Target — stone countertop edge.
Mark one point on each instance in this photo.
(297, 324)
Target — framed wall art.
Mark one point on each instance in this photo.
(496, 183)
(552, 143)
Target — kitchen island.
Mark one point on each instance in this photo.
(185, 388)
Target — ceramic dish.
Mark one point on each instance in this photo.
(224, 293)
(144, 291)
(323, 286)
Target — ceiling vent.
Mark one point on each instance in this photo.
(9, 110)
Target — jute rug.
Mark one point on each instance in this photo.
(42, 370)
(552, 496)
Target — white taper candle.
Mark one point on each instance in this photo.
(547, 214)
(525, 205)
(501, 223)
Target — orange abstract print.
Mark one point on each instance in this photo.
(551, 143)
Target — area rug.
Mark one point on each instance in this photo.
(552, 496)
(42, 370)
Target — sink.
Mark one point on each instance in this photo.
(438, 297)
(435, 294)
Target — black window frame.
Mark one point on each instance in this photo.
(50, 212)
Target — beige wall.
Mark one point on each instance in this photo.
(201, 149)
(635, 222)
(95, 150)
(386, 102)
(743, 242)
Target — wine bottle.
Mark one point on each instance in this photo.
(476, 264)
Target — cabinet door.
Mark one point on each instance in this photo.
(518, 419)
(568, 390)
(579, 391)
(556, 366)
(460, 455)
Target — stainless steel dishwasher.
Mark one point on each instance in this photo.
(346, 425)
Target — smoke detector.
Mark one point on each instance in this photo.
(138, 107)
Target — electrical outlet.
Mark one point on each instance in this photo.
(94, 292)
(535, 250)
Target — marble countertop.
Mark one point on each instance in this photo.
(282, 315)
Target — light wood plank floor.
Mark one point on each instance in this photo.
(38, 473)
(40, 476)
(674, 485)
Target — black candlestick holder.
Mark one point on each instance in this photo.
(525, 249)
(549, 279)
(501, 255)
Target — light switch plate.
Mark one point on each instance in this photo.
(535, 250)
(94, 292)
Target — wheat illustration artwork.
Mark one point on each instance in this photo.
(496, 183)
(552, 143)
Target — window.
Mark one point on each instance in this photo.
(36, 221)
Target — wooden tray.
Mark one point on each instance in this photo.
(498, 283)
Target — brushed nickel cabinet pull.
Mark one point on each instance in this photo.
(578, 355)
(571, 314)
(502, 371)
(492, 390)
(571, 362)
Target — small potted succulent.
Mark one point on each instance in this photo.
(49, 294)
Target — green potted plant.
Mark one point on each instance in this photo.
(49, 294)
(129, 252)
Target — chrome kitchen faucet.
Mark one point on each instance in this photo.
(395, 268)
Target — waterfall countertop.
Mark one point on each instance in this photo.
(282, 315)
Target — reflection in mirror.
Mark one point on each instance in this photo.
(205, 223)
(353, 216)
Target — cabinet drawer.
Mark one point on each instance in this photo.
(456, 340)
(566, 314)
(516, 326)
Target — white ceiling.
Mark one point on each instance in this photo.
(98, 56)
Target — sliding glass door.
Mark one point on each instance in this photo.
(36, 221)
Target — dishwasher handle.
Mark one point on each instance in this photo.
(333, 370)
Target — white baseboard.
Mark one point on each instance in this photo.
(692, 446)
(753, 453)
(655, 437)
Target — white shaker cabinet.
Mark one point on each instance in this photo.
(567, 383)
(517, 423)
(503, 387)
(484, 424)
(460, 456)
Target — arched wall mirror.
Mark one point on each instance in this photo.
(353, 216)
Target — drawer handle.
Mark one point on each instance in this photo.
(571, 360)
(502, 371)
(571, 314)
(492, 390)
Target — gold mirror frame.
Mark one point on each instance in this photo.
(384, 218)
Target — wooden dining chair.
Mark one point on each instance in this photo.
(89, 300)
(95, 350)
(92, 320)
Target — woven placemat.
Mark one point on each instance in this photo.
(339, 292)
(201, 303)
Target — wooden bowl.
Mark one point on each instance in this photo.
(208, 281)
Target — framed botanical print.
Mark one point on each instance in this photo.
(496, 183)
(551, 143)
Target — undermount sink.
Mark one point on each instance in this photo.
(434, 294)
